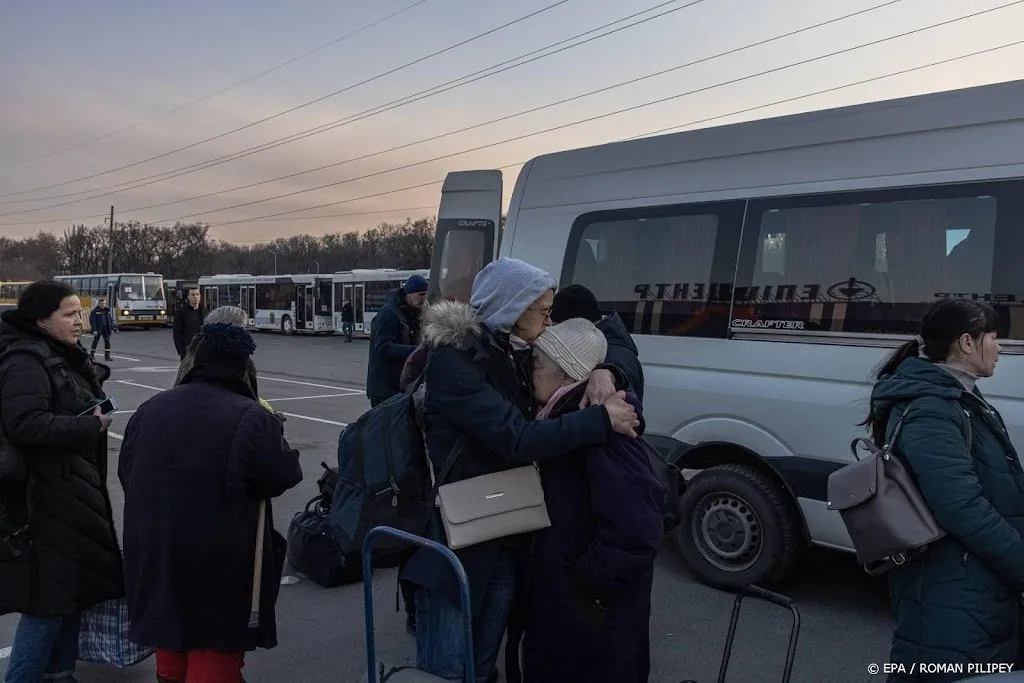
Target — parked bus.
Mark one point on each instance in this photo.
(10, 290)
(368, 290)
(135, 299)
(177, 295)
(285, 303)
(764, 269)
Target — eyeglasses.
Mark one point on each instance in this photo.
(546, 312)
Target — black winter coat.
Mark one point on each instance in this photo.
(185, 326)
(394, 335)
(589, 596)
(74, 561)
(622, 353)
(476, 386)
(195, 463)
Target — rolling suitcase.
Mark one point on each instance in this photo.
(375, 672)
(767, 596)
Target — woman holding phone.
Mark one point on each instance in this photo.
(61, 555)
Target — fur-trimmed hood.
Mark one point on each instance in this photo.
(452, 323)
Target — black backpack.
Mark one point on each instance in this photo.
(382, 478)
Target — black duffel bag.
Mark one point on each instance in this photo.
(313, 552)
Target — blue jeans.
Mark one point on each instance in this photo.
(44, 649)
(440, 643)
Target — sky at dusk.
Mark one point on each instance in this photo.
(89, 87)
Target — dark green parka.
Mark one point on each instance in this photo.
(961, 601)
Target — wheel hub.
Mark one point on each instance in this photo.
(728, 532)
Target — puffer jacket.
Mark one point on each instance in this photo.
(960, 602)
(73, 560)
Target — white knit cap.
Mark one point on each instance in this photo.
(575, 345)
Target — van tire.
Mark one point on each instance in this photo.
(757, 537)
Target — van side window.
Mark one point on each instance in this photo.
(655, 272)
(870, 263)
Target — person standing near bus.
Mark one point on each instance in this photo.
(394, 334)
(348, 319)
(187, 321)
(101, 322)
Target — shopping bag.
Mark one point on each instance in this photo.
(103, 636)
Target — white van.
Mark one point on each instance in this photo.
(764, 269)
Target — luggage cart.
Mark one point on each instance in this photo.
(767, 596)
(411, 674)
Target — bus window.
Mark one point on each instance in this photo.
(462, 258)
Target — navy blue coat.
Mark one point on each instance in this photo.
(959, 602)
(476, 386)
(101, 320)
(589, 596)
(622, 353)
(195, 462)
(394, 334)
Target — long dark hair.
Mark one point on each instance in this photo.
(942, 326)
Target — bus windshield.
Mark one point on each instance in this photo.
(140, 288)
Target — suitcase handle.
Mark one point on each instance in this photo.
(464, 599)
(767, 596)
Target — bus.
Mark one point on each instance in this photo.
(369, 291)
(135, 299)
(764, 269)
(283, 303)
(177, 295)
(10, 290)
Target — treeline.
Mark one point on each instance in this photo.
(186, 250)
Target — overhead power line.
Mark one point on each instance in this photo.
(481, 74)
(609, 114)
(223, 90)
(299, 106)
(695, 122)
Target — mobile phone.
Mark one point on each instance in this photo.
(106, 406)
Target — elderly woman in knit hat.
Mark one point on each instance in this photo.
(195, 464)
(589, 598)
(478, 386)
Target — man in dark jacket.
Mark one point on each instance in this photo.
(187, 321)
(394, 335)
(576, 301)
(101, 322)
(348, 320)
(196, 462)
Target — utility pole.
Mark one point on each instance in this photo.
(110, 250)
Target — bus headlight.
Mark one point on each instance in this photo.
(163, 312)
(125, 313)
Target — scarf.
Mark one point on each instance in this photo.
(556, 397)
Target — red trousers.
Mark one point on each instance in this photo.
(199, 666)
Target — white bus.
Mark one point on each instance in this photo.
(285, 303)
(176, 291)
(764, 269)
(369, 291)
(135, 299)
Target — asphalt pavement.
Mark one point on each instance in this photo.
(318, 383)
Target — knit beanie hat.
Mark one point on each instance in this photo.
(504, 289)
(415, 284)
(226, 346)
(41, 299)
(575, 301)
(575, 345)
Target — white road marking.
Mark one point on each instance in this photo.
(133, 360)
(119, 437)
(152, 368)
(5, 653)
(136, 384)
(352, 392)
(123, 412)
(303, 398)
(316, 419)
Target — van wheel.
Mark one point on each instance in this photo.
(287, 326)
(738, 528)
